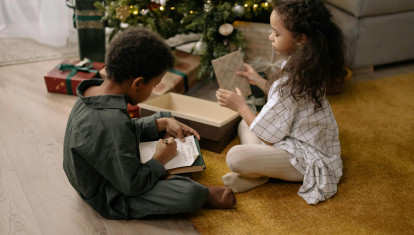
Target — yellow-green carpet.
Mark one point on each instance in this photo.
(375, 194)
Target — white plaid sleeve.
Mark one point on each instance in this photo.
(275, 119)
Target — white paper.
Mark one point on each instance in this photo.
(187, 152)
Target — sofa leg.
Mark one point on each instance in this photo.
(364, 70)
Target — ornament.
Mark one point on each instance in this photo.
(200, 47)
(239, 10)
(207, 6)
(226, 29)
(122, 12)
(124, 25)
(160, 2)
(225, 42)
(144, 12)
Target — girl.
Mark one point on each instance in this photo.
(295, 136)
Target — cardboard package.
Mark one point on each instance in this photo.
(257, 40)
(178, 79)
(259, 52)
(133, 111)
(66, 77)
(216, 125)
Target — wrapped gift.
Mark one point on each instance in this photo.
(256, 36)
(91, 30)
(178, 79)
(216, 125)
(259, 52)
(66, 77)
(133, 110)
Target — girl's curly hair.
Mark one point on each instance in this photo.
(318, 62)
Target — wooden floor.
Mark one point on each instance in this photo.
(35, 196)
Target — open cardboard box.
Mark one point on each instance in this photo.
(216, 125)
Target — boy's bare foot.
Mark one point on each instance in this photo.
(220, 197)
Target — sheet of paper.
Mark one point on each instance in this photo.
(226, 67)
(187, 152)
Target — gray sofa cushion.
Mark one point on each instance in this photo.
(362, 8)
(376, 40)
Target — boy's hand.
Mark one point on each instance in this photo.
(230, 99)
(165, 150)
(176, 129)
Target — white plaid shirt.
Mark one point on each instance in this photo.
(310, 137)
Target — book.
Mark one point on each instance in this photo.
(188, 158)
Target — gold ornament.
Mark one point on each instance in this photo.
(122, 12)
(226, 29)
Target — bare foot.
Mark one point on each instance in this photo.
(220, 197)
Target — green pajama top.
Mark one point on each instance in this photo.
(101, 156)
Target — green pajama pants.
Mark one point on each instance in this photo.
(175, 195)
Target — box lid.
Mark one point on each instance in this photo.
(191, 108)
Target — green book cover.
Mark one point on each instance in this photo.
(199, 161)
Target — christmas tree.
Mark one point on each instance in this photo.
(212, 19)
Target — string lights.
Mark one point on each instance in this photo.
(212, 19)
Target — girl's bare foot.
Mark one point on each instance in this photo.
(220, 197)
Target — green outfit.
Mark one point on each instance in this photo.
(101, 159)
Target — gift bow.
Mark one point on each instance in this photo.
(74, 69)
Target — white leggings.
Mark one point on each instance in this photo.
(252, 163)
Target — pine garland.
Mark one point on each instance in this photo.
(188, 16)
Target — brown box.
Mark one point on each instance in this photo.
(133, 111)
(257, 40)
(58, 80)
(178, 79)
(259, 52)
(216, 125)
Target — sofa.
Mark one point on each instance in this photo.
(377, 32)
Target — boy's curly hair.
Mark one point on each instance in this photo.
(318, 62)
(137, 52)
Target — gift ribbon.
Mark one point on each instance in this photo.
(87, 19)
(74, 70)
(179, 73)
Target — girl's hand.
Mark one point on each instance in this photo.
(230, 99)
(252, 76)
(165, 150)
(176, 129)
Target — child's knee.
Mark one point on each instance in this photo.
(236, 158)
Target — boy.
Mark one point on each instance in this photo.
(101, 157)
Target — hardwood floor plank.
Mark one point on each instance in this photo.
(32, 126)
(29, 106)
(56, 205)
(16, 215)
(174, 225)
